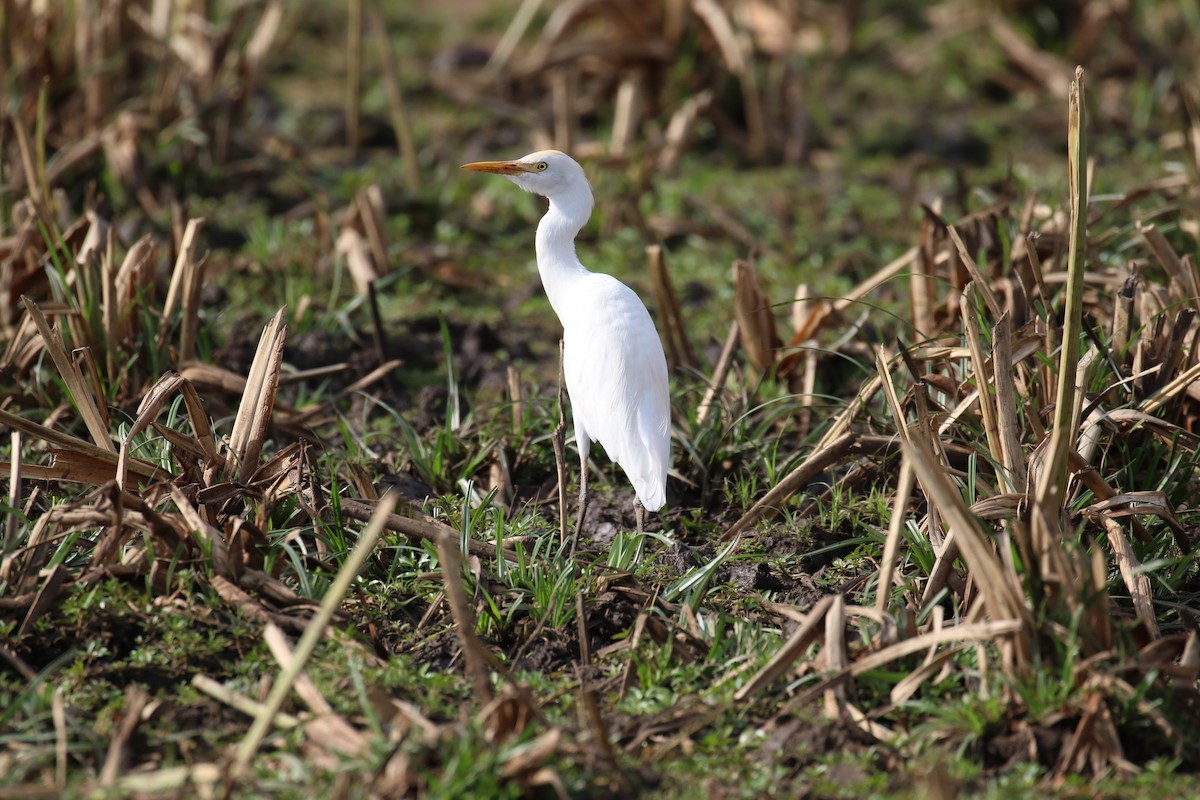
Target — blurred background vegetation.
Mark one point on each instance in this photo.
(173, 172)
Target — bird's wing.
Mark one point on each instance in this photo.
(617, 378)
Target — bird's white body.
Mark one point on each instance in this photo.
(613, 360)
(617, 381)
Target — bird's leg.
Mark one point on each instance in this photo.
(583, 493)
(559, 440)
(639, 511)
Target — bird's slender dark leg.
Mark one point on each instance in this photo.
(559, 439)
(639, 511)
(583, 494)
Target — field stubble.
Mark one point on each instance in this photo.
(931, 533)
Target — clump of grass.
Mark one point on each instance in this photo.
(995, 518)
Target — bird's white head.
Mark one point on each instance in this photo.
(550, 173)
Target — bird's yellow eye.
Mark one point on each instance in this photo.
(541, 166)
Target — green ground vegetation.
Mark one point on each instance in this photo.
(880, 573)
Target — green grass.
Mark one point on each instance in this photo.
(678, 619)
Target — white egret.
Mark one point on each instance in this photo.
(613, 360)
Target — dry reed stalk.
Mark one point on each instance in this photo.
(1122, 321)
(755, 322)
(979, 368)
(1136, 581)
(14, 492)
(327, 731)
(836, 657)
(921, 286)
(803, 306)
(354, 71)
(791, 651)
(992, 631)
(512, 36)
(35, 178)
(981, 283)
(378, 335)
(25, 345)
(1170, 348)
(720, 374)
(680, 127)
(134, 283)
(257, 403)
(562, 101)
(1053, 478)
(183, 287)
(895, 532)
(372, 213)
(312, 635)
(427, 529)
(1052, 72)
(883, 373)
(136, 701)
(808, 391)
(397, 108)
(1000, 589)
(946, 551)
(356, 249)
(1182, 283)
(1094, 745)
(254, 55)
(199, 779)
(719, 25)
(515, 397)
(935, 662)
(679, 348)
(1027, 345)
(74, 466)
(626, 108)
(239, 702)
(1129, 504)
(772, 502)
(1035, 269)
(881, 276)
(296, 421)
(1161, 397)
(81, 395)
(474, 652)
(109, 309)
(585, 644)
(152, 404)
(46, 598)
(870, 727)
(201, 527)
(1008, 418)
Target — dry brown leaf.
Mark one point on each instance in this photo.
(670, 317)
(258, 402)
(753, 314)
(792, 650)
(80, 393)
(533, 755)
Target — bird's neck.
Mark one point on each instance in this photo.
(557, 263)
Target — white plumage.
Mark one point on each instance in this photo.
(613, 360)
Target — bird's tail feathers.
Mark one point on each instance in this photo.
(651, 492)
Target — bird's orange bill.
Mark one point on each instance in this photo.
(499, 167)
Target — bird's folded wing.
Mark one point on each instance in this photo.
(617, 379)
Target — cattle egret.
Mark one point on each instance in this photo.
(613, 360)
